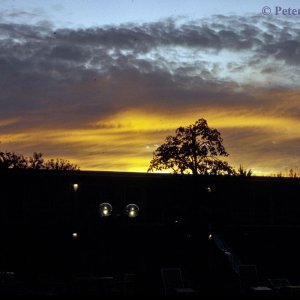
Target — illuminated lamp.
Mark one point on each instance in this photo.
(75, 187)
(132, 210)
(208, 189)
(75, 235)
(105, 209)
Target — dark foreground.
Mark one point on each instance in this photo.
(212, 236)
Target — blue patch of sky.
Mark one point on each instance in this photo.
(89, 13)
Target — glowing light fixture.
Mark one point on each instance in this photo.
(132, 210)
(105, 209)
(210, 237)
(75, 187)
(75, 235)
(208, 189)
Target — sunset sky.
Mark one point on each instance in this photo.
(103, 82)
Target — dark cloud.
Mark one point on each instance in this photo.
(106, 48)
(18, 14)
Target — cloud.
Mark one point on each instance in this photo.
(97, 93)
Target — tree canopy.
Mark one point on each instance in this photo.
(194, 149)
(244, 172)
(12, 160)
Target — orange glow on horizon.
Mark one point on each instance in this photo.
(126, 140)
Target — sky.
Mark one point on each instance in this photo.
(102, 83)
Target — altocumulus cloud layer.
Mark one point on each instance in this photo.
(105, 97)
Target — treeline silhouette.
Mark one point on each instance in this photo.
(292, 173)
(12, 160)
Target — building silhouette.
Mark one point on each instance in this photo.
(52, 226)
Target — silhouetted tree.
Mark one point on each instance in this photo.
(12, 160)
(292, 173)
(60, 164)
(244, 172)
(194, 149)
(36, 162)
